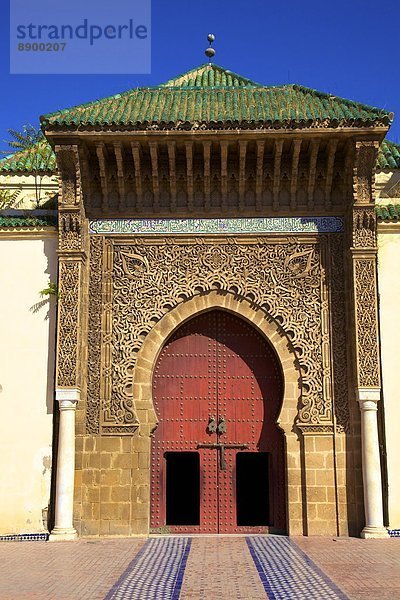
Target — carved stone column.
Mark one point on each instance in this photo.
(63, 527)
(364, 268)
(71, 328)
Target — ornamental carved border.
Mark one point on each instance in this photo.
(68, 317)
(366, 322)
(364, 227)
(94, 335)
(339, 335)
(364, 171)
(143, 279)
(364, 251)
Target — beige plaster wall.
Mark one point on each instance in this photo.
(26, 185)
(387, 186)
(27, 262)
(389, 290)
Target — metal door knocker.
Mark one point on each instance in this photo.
(221, 426)
(212, 424)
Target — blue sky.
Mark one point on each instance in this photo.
(349, 48)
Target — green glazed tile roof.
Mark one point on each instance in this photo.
(213, 98)
(389, 156)
(388, 214)
(210, 76)
(27, 221)
(38, 158)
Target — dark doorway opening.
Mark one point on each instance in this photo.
(183, 488)
(252, 488)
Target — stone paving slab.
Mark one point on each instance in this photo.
(81, 570)
(221, 567)
(201, 568)
(361, 568)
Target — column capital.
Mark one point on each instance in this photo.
(368, 398)
(68, 397)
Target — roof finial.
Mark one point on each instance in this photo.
(210, 52)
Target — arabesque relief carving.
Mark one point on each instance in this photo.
(118, 414)
(94, 335)
(364, 253)
(366, 322)
(364, 171)
(364, 227)
(339, 341)
(68, 324)
(70, 230)
(144, 279)
(73, 239)
(70, 182)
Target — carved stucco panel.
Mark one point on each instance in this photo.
(145, 279)
(94, 335)
(67, 158)
(364, 227)
(68, 314)
(338, 332)
(366, 322)
(364, 171)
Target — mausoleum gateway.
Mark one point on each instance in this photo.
(218, 363)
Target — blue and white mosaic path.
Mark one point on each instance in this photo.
(287, 573)
(155, 573)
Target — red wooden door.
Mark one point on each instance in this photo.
(217, 390)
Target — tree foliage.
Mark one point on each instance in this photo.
(32, 142)
(10, 199)
(25, 139)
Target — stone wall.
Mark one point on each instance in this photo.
(112, 494)
(112, 485)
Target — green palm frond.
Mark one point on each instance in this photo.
(25, 139)
(11, 199)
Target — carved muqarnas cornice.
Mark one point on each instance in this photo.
(144, 279)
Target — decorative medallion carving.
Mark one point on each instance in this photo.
(145, 278)
(366, 322)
